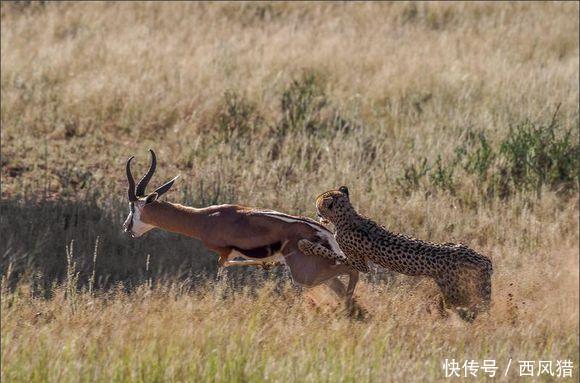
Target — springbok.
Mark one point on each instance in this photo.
(260, 237)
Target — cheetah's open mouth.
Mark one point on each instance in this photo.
(322, 220)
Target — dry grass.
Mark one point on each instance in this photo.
(272, 334)
(221, 92)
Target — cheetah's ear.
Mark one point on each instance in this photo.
(343, 190)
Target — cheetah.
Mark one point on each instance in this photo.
(462, 275)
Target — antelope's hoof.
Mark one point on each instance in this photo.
(357, 312)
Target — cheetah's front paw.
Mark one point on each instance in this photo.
(306, 247)
(269, 265)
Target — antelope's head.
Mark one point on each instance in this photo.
(134, 225)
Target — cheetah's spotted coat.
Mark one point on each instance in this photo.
(463, 275)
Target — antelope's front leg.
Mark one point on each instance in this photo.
(223, 259)
(223, 255)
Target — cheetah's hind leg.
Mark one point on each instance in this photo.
(455, 297)
(475, 285)
(441, 309)
(482, 293)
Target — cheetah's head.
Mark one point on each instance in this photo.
(331, 205)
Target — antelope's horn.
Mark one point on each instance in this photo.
(131, 191)
(140, 190)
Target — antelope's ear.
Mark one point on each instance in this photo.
(344, 190)
(151, 198)
(165, 187)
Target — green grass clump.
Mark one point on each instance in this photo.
(536, 155)
(531, 157)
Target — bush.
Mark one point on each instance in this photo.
(236, 118)
(302, 103)
(530, 157)
(305, 107)
(480, 158)
(442, 176)
(535, 155)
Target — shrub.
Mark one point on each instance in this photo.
(412, 175)
(302, 103)
(442, 175)
(236, 118)
(530, 157)
(480, 158)
(534, 155)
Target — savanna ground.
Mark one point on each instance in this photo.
(449, 122)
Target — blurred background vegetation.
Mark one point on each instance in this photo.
(449, 122)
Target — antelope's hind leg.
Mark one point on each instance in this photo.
(314, 249)
(353, 309)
